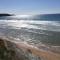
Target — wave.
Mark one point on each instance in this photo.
(32, 31)
(31, 24)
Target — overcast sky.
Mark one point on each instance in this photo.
(30, 6)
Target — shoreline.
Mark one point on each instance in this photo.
(45, 54)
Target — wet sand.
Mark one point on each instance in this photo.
(45, 54)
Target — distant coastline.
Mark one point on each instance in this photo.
(5, 14)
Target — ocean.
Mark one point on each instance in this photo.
(34, 29)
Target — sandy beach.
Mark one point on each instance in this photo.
(45, 54)
(48, 55)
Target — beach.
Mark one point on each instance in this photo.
(45, 54)
(31, 39)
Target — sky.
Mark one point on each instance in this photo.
(30, 6)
